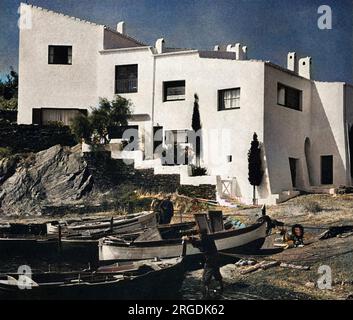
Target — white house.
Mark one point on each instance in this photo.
(305, 126)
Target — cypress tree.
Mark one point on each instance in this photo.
(196, 126)
(255, 165)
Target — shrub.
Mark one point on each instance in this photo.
(81, 128)
(10, 104)
(5, 152)
(94, 127)
(313, 207)
(198, 171)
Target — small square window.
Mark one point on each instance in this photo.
(229, 99)
(60, 55)
(174, 90)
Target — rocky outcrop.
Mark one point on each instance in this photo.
(59, 180)
(7, 167)
(56, 175)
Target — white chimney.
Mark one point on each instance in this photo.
(121, 28)
(240, 52)
(292, 62)
(160, 45)
(305, 67)
(245, 52)
(230, 48)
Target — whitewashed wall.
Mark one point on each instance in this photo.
(42, 85)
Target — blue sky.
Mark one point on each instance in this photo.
(270, 28)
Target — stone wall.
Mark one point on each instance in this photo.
(102, 166)
(33, 138)
(203, 191)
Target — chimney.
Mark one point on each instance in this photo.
(292, 62)
(305, 67)
(240, 52)
(121, 28)
(160, 45)
(245, 52)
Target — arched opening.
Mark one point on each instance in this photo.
(307, 146)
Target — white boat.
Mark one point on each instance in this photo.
(234, 240)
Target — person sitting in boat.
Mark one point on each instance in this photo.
(167, 210)
(296, 237)
(156, 208)
(211, 268)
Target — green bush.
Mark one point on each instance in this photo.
(10, 104)
(312, 207)
(198, 171)
(94, 127)
(5, 152)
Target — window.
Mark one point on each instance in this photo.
(126, 78)
(173, 90)
(47, 116)
(229, 99)
(176, 136)
(289, 97)
(230, 158)
(60, 55)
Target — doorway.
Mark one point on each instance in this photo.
(157, 141)
(326, 170)
(293, 164)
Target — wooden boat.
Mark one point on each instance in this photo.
(143, 280)
(26, 244)
(86, 244)
(234, 240)
(126, 224)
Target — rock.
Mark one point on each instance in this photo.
(53, 176)
(227, 271)
(7, 167)
(310, 284)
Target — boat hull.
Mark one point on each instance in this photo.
(237, 241)
(144, 287)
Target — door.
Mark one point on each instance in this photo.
(293, 171)
(327, 170)
(157, 141)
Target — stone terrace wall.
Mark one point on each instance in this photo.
(203, 191)
(102, 165)
(33, 138)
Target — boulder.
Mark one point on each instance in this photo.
(53, 176)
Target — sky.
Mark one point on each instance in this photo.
(269, 28)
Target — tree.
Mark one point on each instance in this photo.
(9, 91)
(94, 127)
(255, 165)
(81, 128)
(196, 126)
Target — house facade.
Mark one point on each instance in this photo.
(304, 126)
